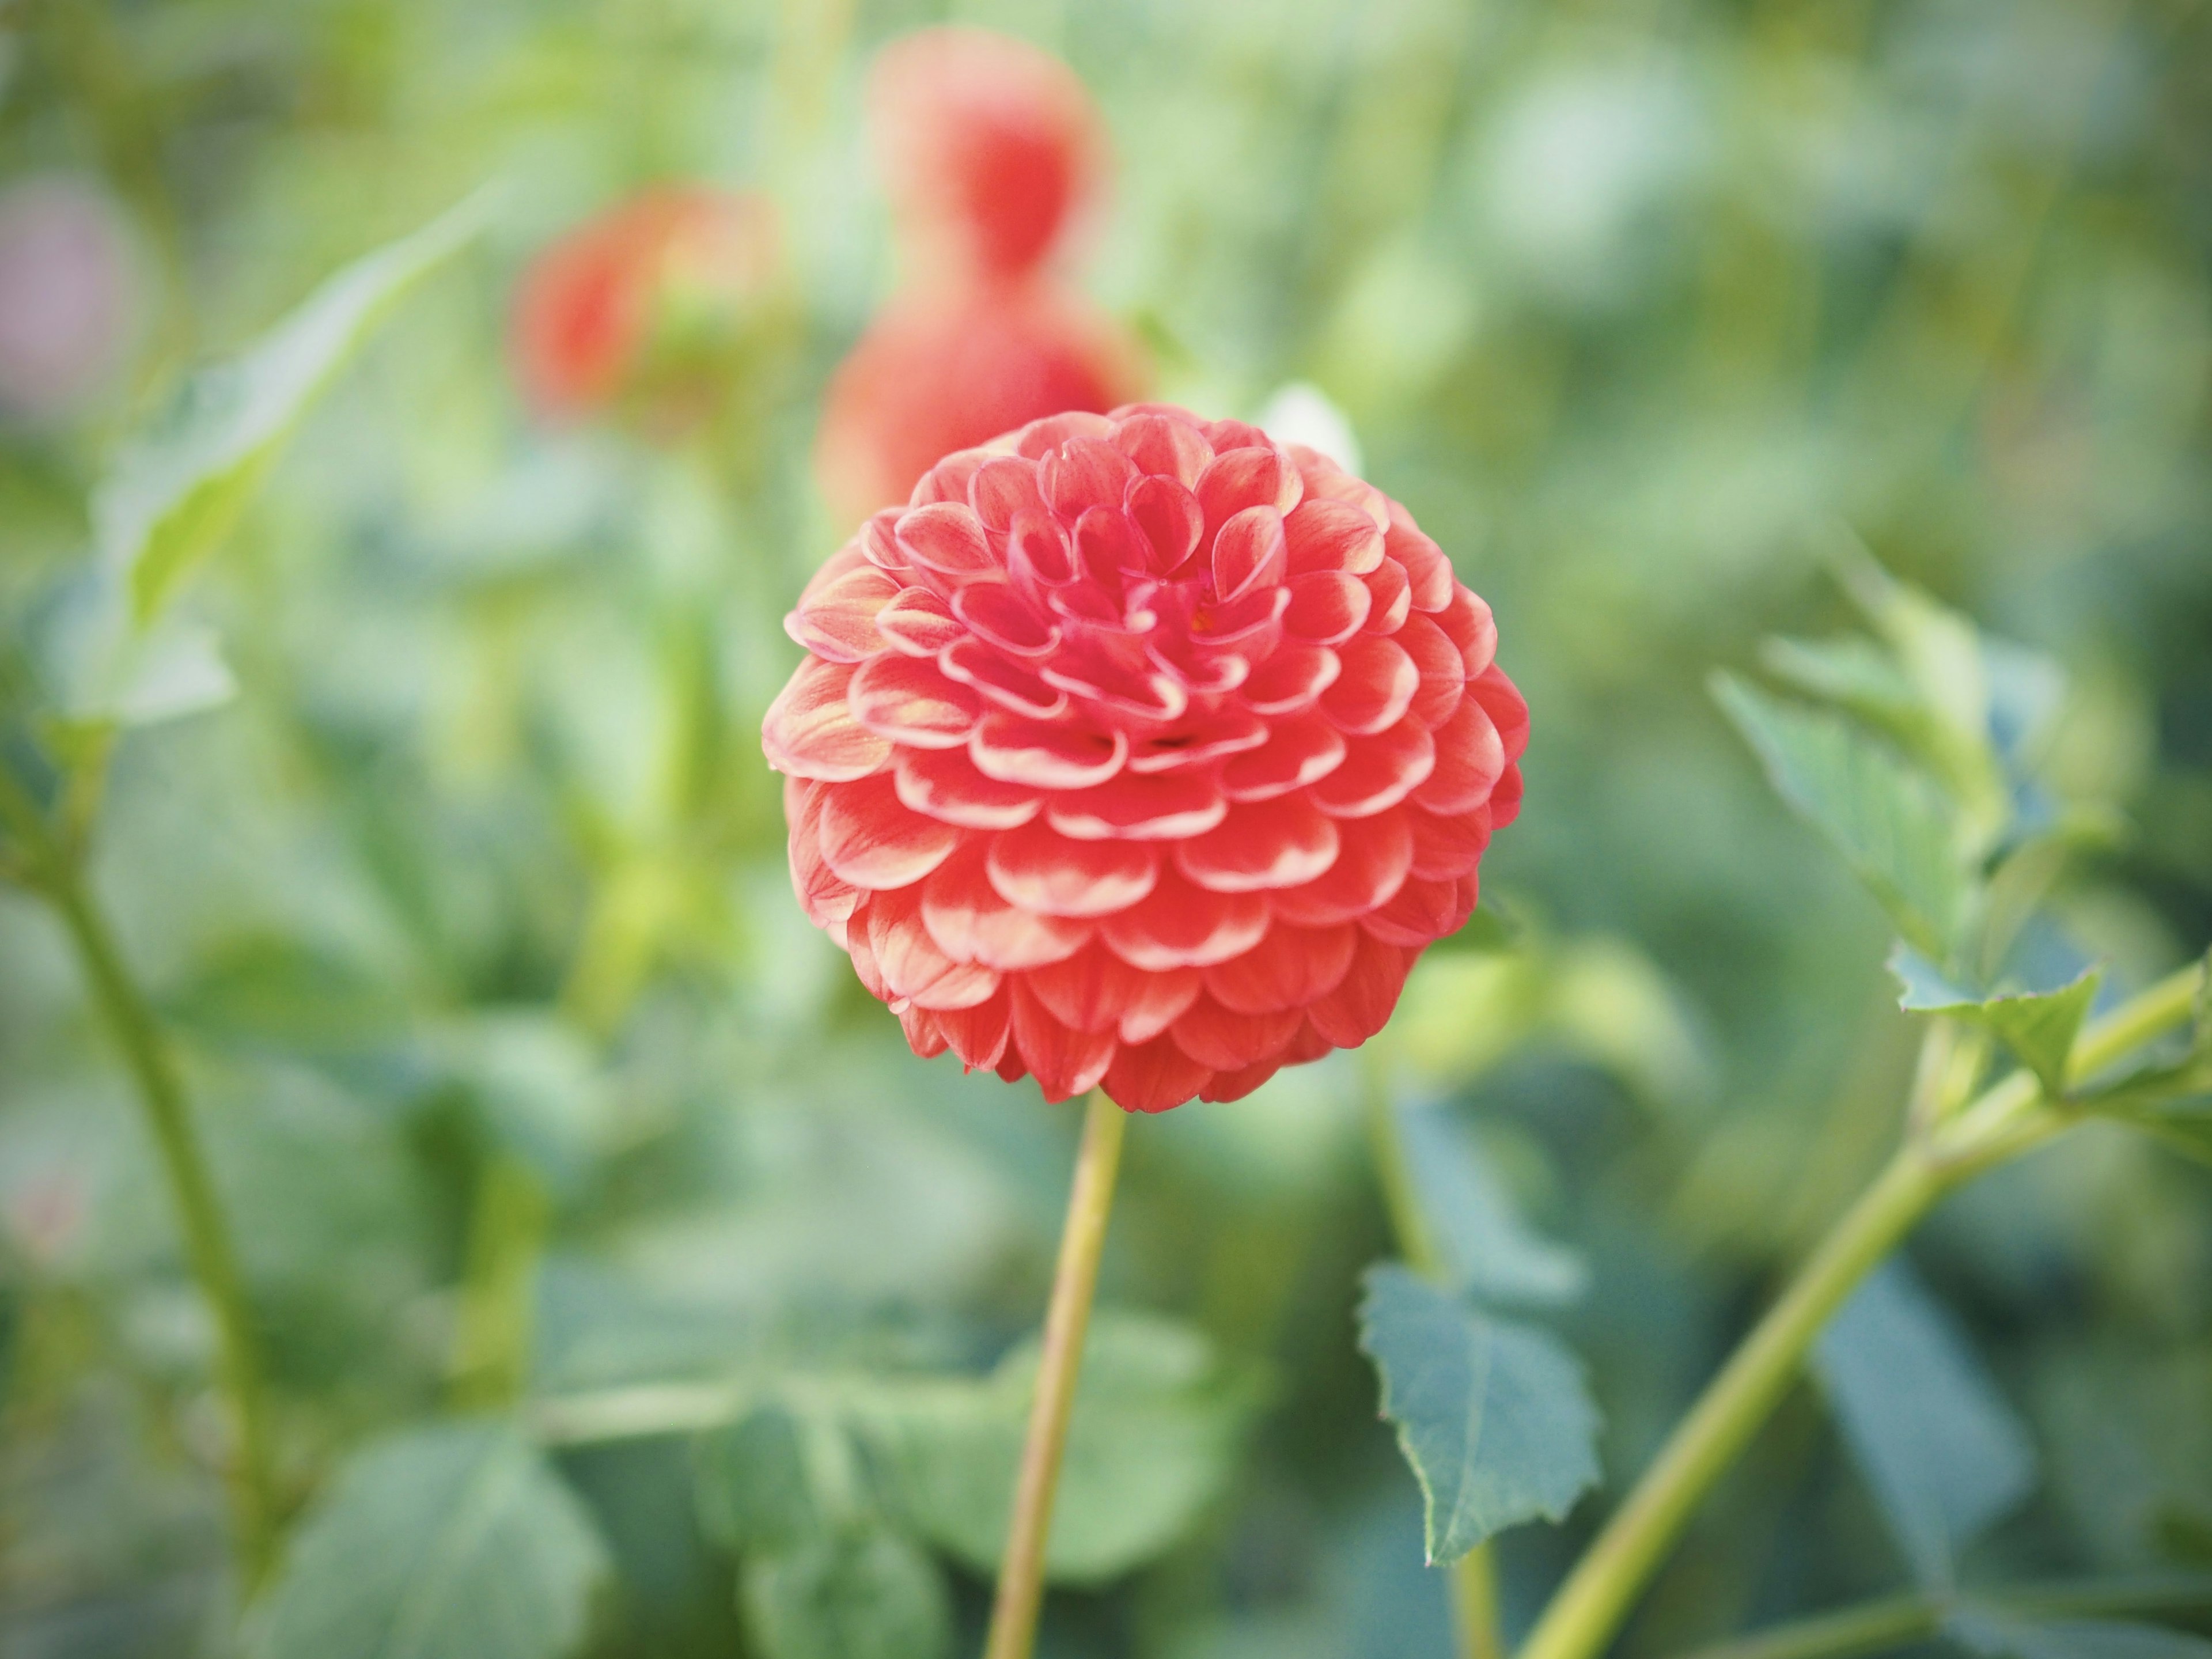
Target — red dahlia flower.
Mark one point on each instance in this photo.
(987, 147)
(656, 299)
(949, 369)
(1137, 750)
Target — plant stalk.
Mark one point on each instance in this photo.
(2006, 1121)
(208, 1240)
(1083, 1236)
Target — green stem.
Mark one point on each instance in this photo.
(1474, 1582)
(1878, 1626)
(200, 1211)
(1082, 1238)
(2006, 1121)
(506, 1232)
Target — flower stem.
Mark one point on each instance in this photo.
(2006, 1121)
(1021, 1571)
(199, 1210)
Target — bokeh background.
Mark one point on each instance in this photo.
(469, 910)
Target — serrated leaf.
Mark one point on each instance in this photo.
(1158, 1424)
(457, 1539)
(2039, 1027)
(1944, 1454)
(1488, 1250)
(2007, 1636)
(1492, 1414)
(1897, 834)
(179, 487)
(869, 1595)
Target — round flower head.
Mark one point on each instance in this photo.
(946, 370)
(1139, 750)
(987, 147)
(656, 300)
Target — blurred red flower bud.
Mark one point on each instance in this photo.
(946, 369)
(988, 147)
(657, 301)
(1139, 751)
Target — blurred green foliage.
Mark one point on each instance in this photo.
(529, 1088)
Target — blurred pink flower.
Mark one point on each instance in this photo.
(70, 296)
(1139, 751)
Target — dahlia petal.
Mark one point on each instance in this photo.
(1291, 679)
(870, 839)
(945, 536)
(1179, 925)
(1326, 535)
(1003, 487)
(1153, 1077)
(1235, 434)
(1194, 742)
(1341, 486)
(864, 958)
(1065, 1062)
(1379, 772)
(945, 784)
(918, 623)
(1427, 569)
(828, 899)
(879, 541)
(914, 964)
(1505, 800)
(1308, 1046)
(1041, 437)
(907, 700)
(1108, 543)
(973, 663)
(1169, 518)
(1084, 472)
(1362, 1002)
(1300, 749)
(1285, 970)
(1136, 806)
(1038, 551)
(996, 615)
(1446, 846)
(1227, 1041)
(1375, 689)
(1160, 1000)
(1327, 607)
(1371, 864)
(1259, 846)
(978, 1034)
(1225, 1086)
(1470, 757)
(1163, 446)
(810, 732)
(1394, 597)
(923, 1034)
(1468, 625)
(1249, 477)
(1010, 1067)
(1045, 755)
(1442, 671)
(1098, 677)
(1200, 670)
(948, 480)
(971, 922)
(1095, 990)
(1508, 710)
(837, 620)
(1249, 552)
(1038, 869)
(1420, 914)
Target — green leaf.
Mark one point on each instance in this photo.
(1488, 1250)
(2038, 1026)
(177, 490)
(777, 1477)
(1492, 1415)
(1945, 1454)
(870, 1594)
(2005, 1636)
(1158, 1424)
(457, 1539)
(1897, 835)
